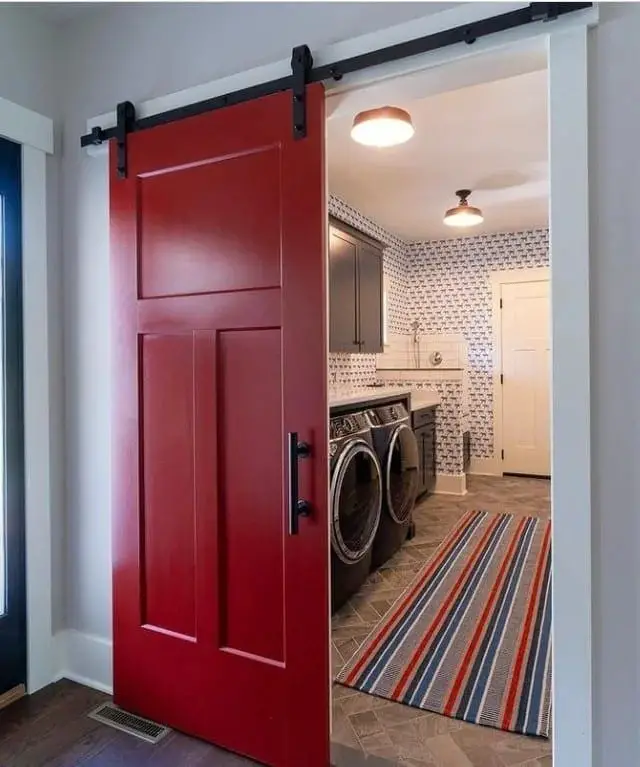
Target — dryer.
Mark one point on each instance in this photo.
(355, 503)
(397, 450)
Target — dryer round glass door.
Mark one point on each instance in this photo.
(401, 473)
(356, 501)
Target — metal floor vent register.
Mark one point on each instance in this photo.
(112, 716)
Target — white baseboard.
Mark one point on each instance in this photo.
(85, 659)
(451, 484)
(489, 467)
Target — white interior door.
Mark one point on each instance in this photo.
(526, 369)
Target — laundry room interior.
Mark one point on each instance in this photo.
(439, 394)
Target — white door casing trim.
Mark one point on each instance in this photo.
(35, 133)
(26, 127)
(498, 279)
(41, 657)
(565, 41)
(571, 400)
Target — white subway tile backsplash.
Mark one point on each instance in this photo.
(402, 352)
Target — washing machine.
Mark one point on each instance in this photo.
(355, 503)
(397, 450)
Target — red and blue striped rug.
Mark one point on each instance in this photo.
(471, 637)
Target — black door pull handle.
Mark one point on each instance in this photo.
(297, 506)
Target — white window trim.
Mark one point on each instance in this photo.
(565, 41)
(498, 279)
(35, 133)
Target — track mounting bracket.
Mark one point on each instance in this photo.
(126, 113)
(301, 66)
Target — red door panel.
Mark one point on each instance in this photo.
(218, 252)
(168, 550)
(251, 499)
(189, 245)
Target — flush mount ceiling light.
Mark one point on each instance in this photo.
(382, 127)
(464, 214)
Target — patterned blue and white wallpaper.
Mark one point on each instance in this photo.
(449, 292)
(449, 422)
(360, 369)
(354, 370)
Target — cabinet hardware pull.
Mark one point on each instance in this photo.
(297, 506)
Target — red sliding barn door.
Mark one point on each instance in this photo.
(219, 285)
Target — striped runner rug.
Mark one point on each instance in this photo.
(471, 637)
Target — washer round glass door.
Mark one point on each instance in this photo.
(401, 473)
(356, 501)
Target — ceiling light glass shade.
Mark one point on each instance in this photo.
(382, 127)
(463, 215)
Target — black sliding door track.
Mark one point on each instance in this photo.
(303, 73)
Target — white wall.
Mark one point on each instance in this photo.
(28, 77)
(615, 322)
(28, 47)
(136, 53)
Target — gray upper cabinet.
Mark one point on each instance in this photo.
(343, 291)
(370, 292)
(355, 290)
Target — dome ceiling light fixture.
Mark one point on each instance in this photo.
(463, 214)
(382, 127)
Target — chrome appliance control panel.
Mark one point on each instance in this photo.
(345, 425)
(388, 414)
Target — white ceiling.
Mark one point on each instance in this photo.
(491, 138)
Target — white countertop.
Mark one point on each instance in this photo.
(419, 398)
(424, 398)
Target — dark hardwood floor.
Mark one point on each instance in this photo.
(51, 728)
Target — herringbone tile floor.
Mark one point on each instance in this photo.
(405, 735)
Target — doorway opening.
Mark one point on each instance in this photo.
(441, 635)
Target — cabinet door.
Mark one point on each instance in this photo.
(343, 305)
(420, 439)
(430, 457)
(424, 454)
(370, 297)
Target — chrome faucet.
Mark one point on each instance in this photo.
(416, 328)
